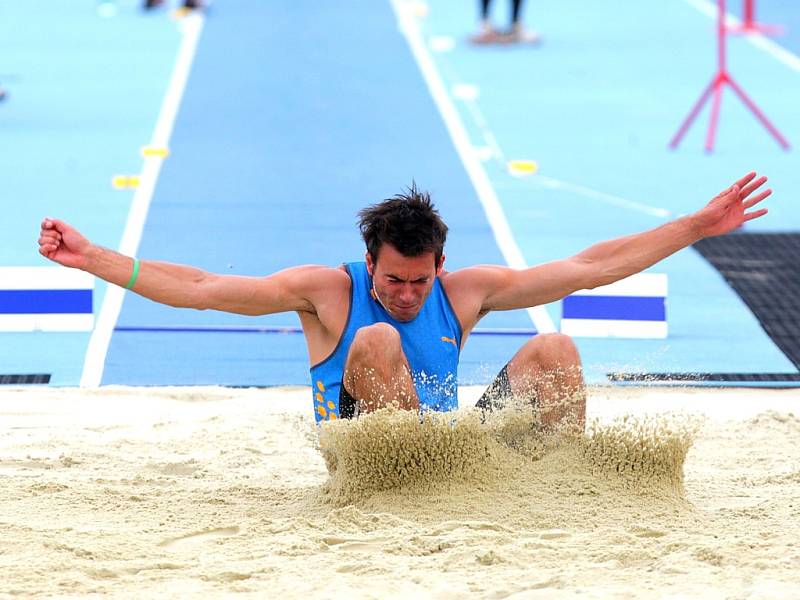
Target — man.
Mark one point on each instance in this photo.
(389, 330)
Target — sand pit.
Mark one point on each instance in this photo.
(217, 492)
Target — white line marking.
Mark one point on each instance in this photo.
(488, 135)
(758, 40)
(112, 303)
(465, 91)
(484, 153)
(442, 43)
(477, 174)
(558, 184)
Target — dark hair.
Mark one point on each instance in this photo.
(409, 222)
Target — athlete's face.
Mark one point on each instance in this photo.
(403, 283)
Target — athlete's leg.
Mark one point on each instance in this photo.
(547, 372)
(548, 369)
(498, 394)
(377, 373)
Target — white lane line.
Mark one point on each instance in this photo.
(558, 184)
(477, 174)
(488, 135)
(442, 43)
(758, 40)
(97, 350)
(486, 132)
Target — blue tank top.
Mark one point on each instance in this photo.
(431, 342)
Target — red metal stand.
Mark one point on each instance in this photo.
(718, 83)
(749, 25)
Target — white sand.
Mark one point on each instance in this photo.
(216, 492)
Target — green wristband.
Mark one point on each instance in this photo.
(134, 275)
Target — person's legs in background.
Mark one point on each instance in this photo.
(489, 34)
(187, 4)
(518, 33)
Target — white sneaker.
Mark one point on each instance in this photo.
(519, 35)
(487, 35)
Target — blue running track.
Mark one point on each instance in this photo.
(297, 115)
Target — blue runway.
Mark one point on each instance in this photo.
(294, 117)
(84, 95)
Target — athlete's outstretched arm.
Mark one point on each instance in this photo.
(610, 261)
(178, 285)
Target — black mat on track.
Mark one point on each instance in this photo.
(764, 269)
(34, 378)
(765, 378)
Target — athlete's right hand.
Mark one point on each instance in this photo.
(62, 244)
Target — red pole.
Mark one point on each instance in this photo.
(749, 14)
(720, 79)
(676, 139)
(721, 36)
(759, 115)
(714, 92)
(749, 25)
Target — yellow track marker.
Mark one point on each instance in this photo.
(522, 168)
(125, 182)
(418, 8)
(159, 151)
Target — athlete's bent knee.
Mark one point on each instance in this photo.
(376, 337)
(559, 343)
(376, 343)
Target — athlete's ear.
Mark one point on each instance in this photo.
(370, 264)
(440, 266)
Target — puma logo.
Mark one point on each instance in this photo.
(451, 340)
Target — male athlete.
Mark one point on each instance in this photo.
(389, 330)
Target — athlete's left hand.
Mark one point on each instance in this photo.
(729, 209)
